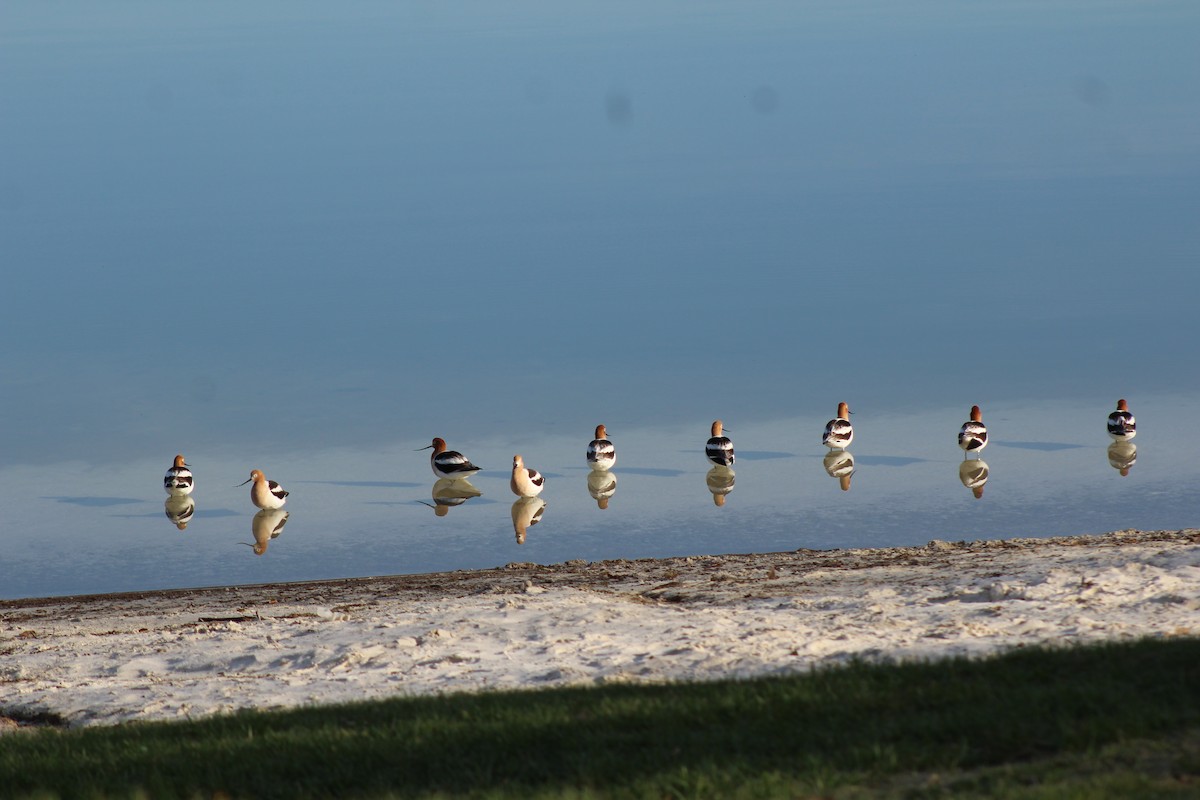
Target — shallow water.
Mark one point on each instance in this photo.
(372, 511)
(307, 241)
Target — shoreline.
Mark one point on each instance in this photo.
(169, 654)
(580, 573)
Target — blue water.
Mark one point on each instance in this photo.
(308, 239)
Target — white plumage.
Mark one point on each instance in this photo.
(839, 433)
(601, 454)
(719, 448)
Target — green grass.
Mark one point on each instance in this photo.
(1119, 720)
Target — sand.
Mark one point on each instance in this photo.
(108, 659)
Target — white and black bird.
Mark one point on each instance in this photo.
(1121, 425)
(601, 455)
(449, 463)
(265, 494)
(719, 449)
(973, 436)
(838, 431)
(525, 482)
(178, 481)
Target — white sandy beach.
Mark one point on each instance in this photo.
(177, 654)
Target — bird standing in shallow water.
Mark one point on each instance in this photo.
(1121, 425)
(449, 463)
(178, 480)
(972, 437)
(838, 431)
(600, 453)
(526, 482)
(719, 448)
(265, 494)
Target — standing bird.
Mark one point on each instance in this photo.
(719, 449)
(178, 480)
(601, 454)
(839, 433)
(449, 463)
(973, 436)
(1121, 425)
(525, 482)
(265, 494)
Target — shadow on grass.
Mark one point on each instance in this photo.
(826, 728)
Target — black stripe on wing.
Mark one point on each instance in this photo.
(719, 450)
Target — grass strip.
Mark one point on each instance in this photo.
(1104, 720)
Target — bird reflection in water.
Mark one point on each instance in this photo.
(451, 492)
(973, 472)
(720, 482)
(1122, 455)
(526, 512)
(179, 509)
(840, 464)
(602, 485)
(267, 525)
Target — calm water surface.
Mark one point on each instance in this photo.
(308, 240)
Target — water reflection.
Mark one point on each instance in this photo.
(179, 509)
(840, 464)
(720, 481)
(1122, 455)
(973, 472)
(267, 525)
(450, 492)
(602, 485)
(526, 512)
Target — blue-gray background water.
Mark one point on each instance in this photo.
(307, 239)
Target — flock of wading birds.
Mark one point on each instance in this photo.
(454, 470)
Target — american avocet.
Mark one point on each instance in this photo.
(526, 512)
(526, 482)
(266, 525)
(179, 509)
(838, 431)
(449, 493)
(973, 472)
(601, 454)
(265, 494)
(1121, 424)
(449, 463)
(719, 448)
(972, 437)
(1122, 455)
(178, 480)
(840, 464)
(720, 482)
(602, 485)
